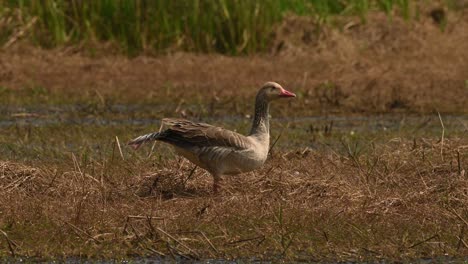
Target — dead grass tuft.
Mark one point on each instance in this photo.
(168, 183)
(16, 177)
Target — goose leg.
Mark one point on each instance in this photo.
(216, 183)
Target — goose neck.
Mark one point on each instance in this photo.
(260, 124)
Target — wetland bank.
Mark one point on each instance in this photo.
(369, 162)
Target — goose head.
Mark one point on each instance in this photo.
(271, 91)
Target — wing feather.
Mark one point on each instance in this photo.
(185, 132)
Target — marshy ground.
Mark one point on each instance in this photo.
(370, 162)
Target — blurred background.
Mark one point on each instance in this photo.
(229, 27)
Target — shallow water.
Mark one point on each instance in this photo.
(53, 131)
(143, 115)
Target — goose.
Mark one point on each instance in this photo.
(217, 150)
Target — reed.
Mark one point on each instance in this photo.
(226, 26)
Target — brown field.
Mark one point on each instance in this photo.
(376, 67)
(396, 192)
(402, 200)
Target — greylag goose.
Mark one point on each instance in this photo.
(218, 150)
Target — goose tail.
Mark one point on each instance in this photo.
(137, 142)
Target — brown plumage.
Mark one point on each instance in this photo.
(218, 150)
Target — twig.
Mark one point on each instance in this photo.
(150, 225)
(245, 240)
(127, 221)
(113, 151)
(20, 33)
(176, 240)
(460, 239)
(152, 149)
(205, 237)
(277, 138)
(101, 98)
(170, 249)
(77, 166)
(78, 230)
(304, 79)
(139, 240)
(175, 251)
(144, 217)
(94, 179)
(459, 163)
(17, 183)
(462, 242)
(424, 241)
(52, 181)
(11, 244)
(190, 175)
(83, 175)
(442, 137)
(136, 233)
(120, 148)
(459, 216)
(155, 251)
(209, 242)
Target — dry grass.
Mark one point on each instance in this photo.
(400, 200)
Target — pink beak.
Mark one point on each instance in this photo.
(285, 93)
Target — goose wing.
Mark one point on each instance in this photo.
(186, 134)
(183, 132)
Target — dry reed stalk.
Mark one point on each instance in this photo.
(120, 148)
(459, 167)
(144, 217)
(190, 175)
(460, 239)
(424, 241)
(178, 241)
(20, 33)
(80, 231)
(277, 138)
(149, 218)
(11, 244)
(442, 136)
(101, 98)
(209, 242)
(459, 216)
(76, 165)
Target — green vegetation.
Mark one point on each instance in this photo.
(230, 27)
